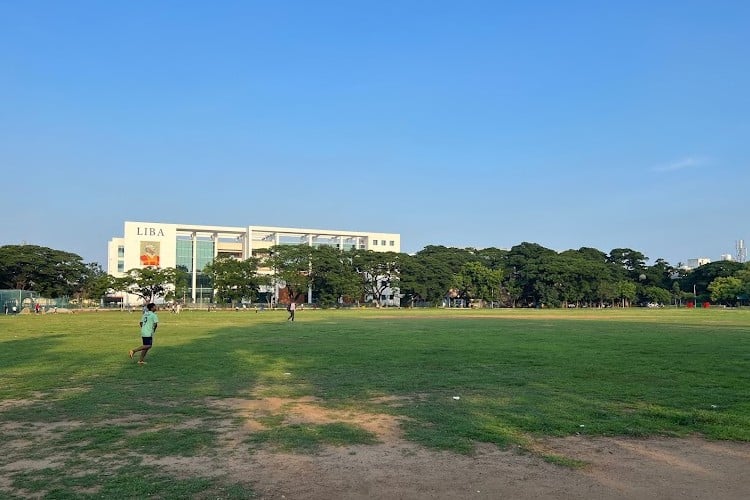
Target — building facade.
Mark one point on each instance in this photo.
(191, 247)
(696, 263)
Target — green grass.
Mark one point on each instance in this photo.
(309, 438)
(69, 395)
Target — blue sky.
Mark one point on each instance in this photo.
(468, 124)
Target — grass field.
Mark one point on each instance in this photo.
(79, 418)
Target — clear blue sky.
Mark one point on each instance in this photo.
(477, 123)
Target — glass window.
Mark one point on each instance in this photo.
(121, 251)
(393, 243)
(383, 242)
(374, 242)
(120, 266)
(185, 254)
(205, 253)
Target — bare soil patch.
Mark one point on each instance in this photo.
(616, 468)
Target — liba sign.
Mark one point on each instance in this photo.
(149, 231)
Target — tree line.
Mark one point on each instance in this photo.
(527, 275)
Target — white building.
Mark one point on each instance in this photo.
(193, 246)
(695, 263)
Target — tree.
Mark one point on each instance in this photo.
(50, 272)
(606, 291)
(631, 261)
(677, 293)
(726, 290)
(625, 291)
(234, 279)
(492, 258)
(94, 284)
(660, 274)
(744, 276)
(427, 275)
(476, 281)
(334, 277)
(595, 275)
(149, 283)
(291, 266)
(699, 278)
(656, 295)
(524, 265)
(378, 271)
(181, 283)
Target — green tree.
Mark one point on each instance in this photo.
(699, 278)
(94, 284)
(234, 279)
(427, 275)
(744, 276)
(291, 266)
(476, 281)
(334, 277)
(492, 258)
(661, 274)
(182, 283)
(677, 293)
(377, 271)
(524, 264)
(656, 295)
(626, 292)
(726, 290)
(149, 283)
(606, 292)
(50, 272)
(632, 262)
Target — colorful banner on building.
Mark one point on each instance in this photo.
(150, 252)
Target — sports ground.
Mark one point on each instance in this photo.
(636, 403)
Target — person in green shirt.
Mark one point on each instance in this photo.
(148, 323)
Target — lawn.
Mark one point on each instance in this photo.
(79, 418)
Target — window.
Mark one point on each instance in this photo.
(185, 254)
(393, 243)
(382, 242)
(120, 266)
(121, 251)
(374, 242)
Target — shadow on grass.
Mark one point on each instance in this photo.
(94, 413)
(513, 380)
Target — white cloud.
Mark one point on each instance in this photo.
(680, 164)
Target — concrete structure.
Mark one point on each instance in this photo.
(193, 246)
(695, 263)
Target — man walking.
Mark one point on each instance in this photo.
(291, 308)
(148, 323)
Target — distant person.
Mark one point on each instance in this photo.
(5, 306)
(292, 307)
(148, 323)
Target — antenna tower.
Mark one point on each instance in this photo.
(741, 251)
